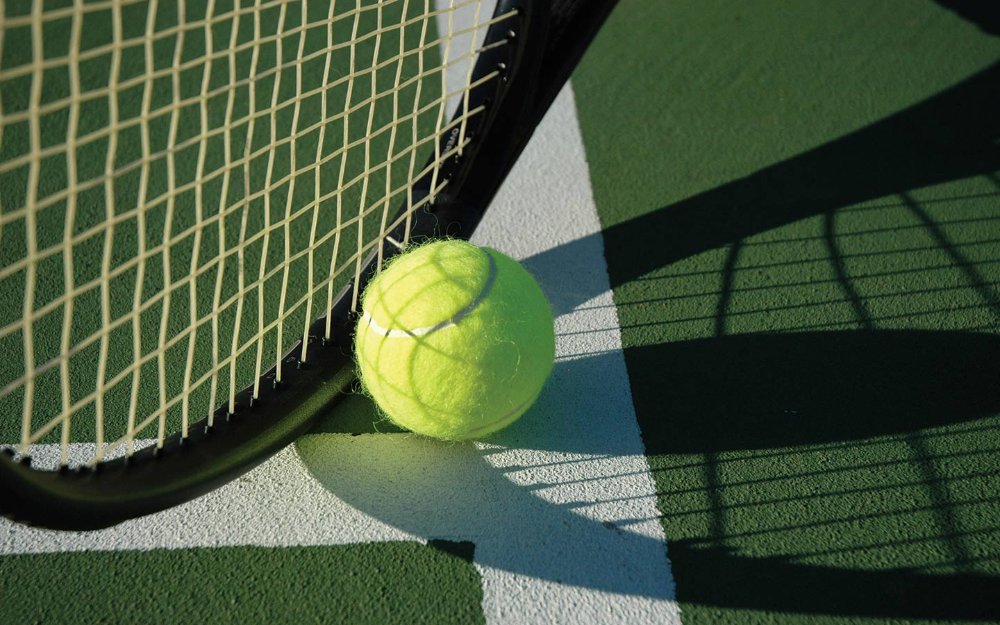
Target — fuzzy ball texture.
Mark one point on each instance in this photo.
(455, 341)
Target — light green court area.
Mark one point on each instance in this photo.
(367, 583)
(802, 221)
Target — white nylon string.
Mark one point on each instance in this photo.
(183, 190)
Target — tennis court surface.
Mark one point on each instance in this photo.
(770, 233)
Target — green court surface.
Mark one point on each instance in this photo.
(802, 218)
(800, 204)
(370, 583)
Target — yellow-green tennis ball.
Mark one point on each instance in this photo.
(454, 341)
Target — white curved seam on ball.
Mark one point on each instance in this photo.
(447, 323)
(508, 415)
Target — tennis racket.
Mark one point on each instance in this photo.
(194, 194)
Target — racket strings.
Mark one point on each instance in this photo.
(121, 216)
(183, 190)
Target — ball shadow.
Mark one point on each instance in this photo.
(452, 491)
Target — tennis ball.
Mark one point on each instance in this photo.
(454, 341)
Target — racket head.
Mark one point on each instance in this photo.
(448, 199)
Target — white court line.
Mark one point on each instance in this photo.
(585, 421)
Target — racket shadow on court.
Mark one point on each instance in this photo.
(805, 390)
(952, 135)
(746, 409)
(738, 393)
(462, 496)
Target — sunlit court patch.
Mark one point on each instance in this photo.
(367, 583)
